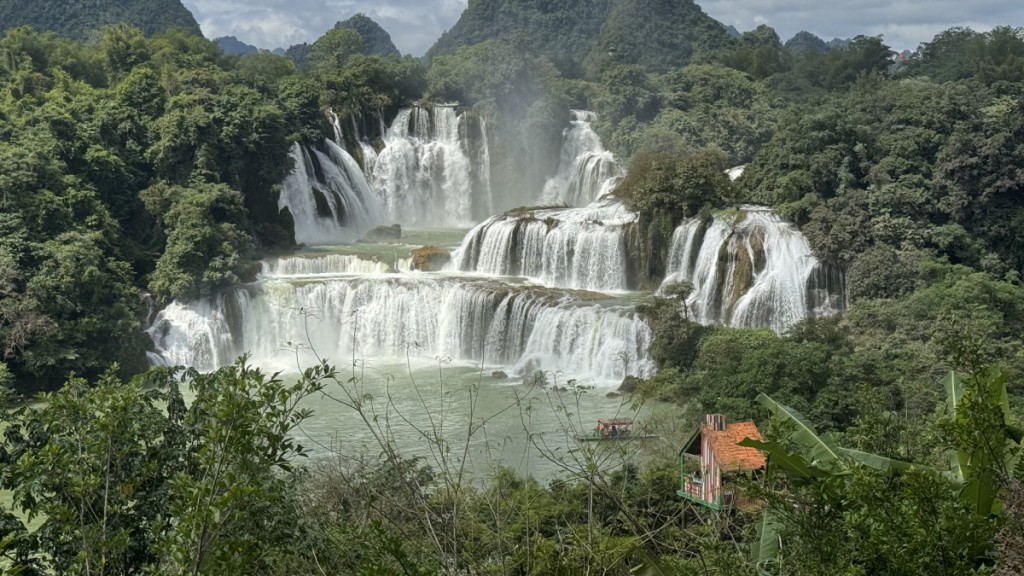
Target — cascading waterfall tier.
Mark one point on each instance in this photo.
(423, 174)
(752, 269)
(587, 171)
(330, 265)
(328, 196)
(583, 248)
(423, 316)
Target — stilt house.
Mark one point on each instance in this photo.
(711, 460)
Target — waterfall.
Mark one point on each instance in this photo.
(752, 269)
(485, 169)
(422, 175)
(583, 248)
(517, 328)
(331, 265)
(587, 171)
(328, 196)
(368, 152)
(339, 136)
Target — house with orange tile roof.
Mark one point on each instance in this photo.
(712, 459)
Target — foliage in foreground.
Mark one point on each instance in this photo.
(122, 477)
(119, 478)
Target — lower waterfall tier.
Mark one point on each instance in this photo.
(422, 317)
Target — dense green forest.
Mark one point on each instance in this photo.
(83, 18)
(134, 164)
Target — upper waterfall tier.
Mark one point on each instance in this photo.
(328, 196)
(587, 171)
(423, 175)
(752, 269)
(423, 316)
(583, 248)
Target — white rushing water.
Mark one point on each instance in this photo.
(485, 170)
(582, 248)
(328, 196)
(330, 265)
(423, 317)
(423, 174)
(586, 171)
(752, 269)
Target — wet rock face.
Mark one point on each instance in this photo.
(499, 375)
(629, 385)
(384, 234)
(430, 258)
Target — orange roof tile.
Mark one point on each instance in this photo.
(730, 457)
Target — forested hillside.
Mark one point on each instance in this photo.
(563, 32)
(79, 18)
(658, 35)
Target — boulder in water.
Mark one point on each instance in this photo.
(629, 384)
(430, 258)
(535, 378)
(384, 234)
(499, 375)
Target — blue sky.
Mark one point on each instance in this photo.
(414, 25)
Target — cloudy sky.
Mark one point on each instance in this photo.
(415, 24)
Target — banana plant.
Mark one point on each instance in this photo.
(818, 458)
(986, 446)
(986, 449)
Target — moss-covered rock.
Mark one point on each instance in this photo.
(430, 258)
(383, 234)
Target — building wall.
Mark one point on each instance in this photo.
(712, 486)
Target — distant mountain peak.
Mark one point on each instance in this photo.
(804, 42)
(235, 47)
(376, 40)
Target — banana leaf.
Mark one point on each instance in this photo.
(822, 452)
(875, 461)
(954, 387)
(765, 549)
(793, 466)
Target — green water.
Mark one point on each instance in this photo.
(431, 412)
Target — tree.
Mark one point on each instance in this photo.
(331, 51)
(124, 49)
(93, 462)
(230, 505)
(127, 479)
(680, 186)
(207, 246)
(90, 297)
(263, 71)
